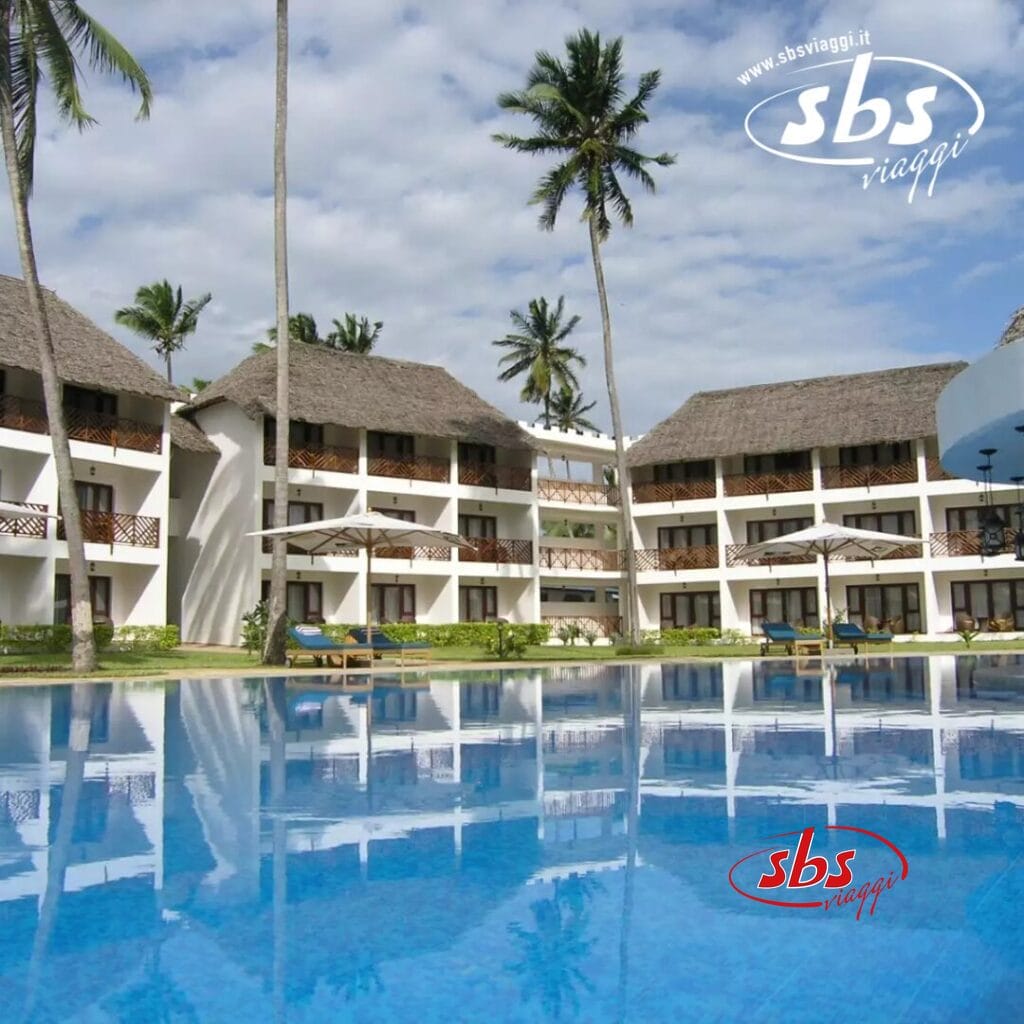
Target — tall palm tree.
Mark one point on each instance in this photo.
(537, 352)
(569, 412)
(582, 116)
(274, 653)
(45, 40)
(354, 335)
(163, 316)
(301, 327)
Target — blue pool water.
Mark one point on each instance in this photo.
(512, 846)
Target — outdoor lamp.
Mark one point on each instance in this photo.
(1018, 537)
(992, 531)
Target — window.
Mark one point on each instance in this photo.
(298, 512)
(94, 497)
(970, 518)
(478, 527)
(796, 605)
(876, 454)
(889, 606)
(407, 515)
(684, 472)
(393, 602)
(392, 446)
(478, 604)
(89, 401)
(300, 433)
(690, 608)
(574, 595)
(777, 462)
(992, 604)
(687, 536)
(304, 601)
(884, 522)
(99, 598)
(768, 529)
(477, 453)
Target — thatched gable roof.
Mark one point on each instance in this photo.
(390, 395)
(861, 408)
(1014, 330)
(86, 355)
(189, 438)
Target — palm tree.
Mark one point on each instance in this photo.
(536, 352)
(301, 327)
(354, 335)
(274, 653)
(581, 115)
(162, 315)
(569, 412)
(51, 37)
(198, 383)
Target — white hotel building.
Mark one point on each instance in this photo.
(170, 498)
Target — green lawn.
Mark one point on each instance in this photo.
(119, 664)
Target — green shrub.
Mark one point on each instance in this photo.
(254, 628)
(508, 643)
(733, 636)
(144, 638)
(695, 635)
(455, 634)
(569, 634)
(57, 639)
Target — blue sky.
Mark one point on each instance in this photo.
(743, 268)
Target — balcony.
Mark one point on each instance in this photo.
(765, 484)
(411, 467)
(962, 543)
(577, 493)
(117, 528)
(584, 559)
(96, 427)
(268, 549)
(409, 554)
(602, 625)
(869, 476)
(500, 552)
(29, 526)
(934, 470)
(324, 457)
(676, 490)
(736, 555)
(490, 474)
(701, 556)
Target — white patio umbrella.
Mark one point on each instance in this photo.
(366, 530)
(829, 540)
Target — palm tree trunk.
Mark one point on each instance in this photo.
(275, 650)
(275, 698)
(632, 604)
(547, 412)
(170, 379)
(83, 646)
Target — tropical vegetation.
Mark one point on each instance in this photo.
(48, 41)
(352, 334)
(569, 411)
(583, 118)
(162, 315)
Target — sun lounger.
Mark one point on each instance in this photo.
(313, 642)
(849, 634)
(782, 634)
(382, 645)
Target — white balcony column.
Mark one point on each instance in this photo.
(817, 483)
(926, 527)
(719, 479)
(363, 458)
(453, 462)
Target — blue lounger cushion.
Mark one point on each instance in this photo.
(851, 631)
(382, 642)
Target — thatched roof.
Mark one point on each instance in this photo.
(86, 355)
(1014, 330)
(861, 408)
(189, 438)
(390, 395)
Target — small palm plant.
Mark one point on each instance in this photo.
(162, 315)
(536, 352)
(569, 412)
(354, 334)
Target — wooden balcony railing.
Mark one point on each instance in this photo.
(678, 490)
(739, 484)
(489, 474)
(117, 528)
(97, 427)
(413, 467)
(575, 492)
(587, 559)
(27, 526)
(934, 470)
(602, 625)
(964, 542)
(737, 554)
(701, 556)
(268, 549)
(869, 476)
(315, 456)
(511, 552)
(411, 554)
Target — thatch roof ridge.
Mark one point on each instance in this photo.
(870, 407)
(1014, 330)
(86, 354)
(375, 392)
(189, 437)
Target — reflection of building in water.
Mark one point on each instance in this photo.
(472, 788)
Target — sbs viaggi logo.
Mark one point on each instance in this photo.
(899, 119)
(787, 874)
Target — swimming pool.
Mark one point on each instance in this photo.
(515, 845)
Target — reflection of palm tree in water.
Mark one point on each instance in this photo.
(551, 956)
(155, 998)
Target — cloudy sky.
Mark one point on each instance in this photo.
(743, 268)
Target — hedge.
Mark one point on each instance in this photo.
(57, 639)
(697, 635)
(455, 634)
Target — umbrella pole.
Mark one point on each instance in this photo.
(828, 603)
(369, 594)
